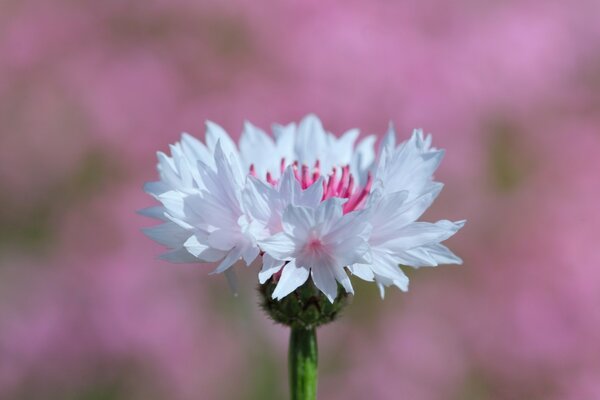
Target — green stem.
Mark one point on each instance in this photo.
(303, 360)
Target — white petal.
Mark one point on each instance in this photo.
(258, 149)
(214, 134)
(257, 198)
(442, 254)
(231, 257)
(298, 221)
(156, 212)
(363, 271)
(174, 203)
(328, 214)
(431, 255)
(422, 233)
(289, 187)
(156, 188)
(324, 280)
(250, 254)
(284, 142)
(223, 239)
(387, 271)
(389, 140)
(344, 147)
(270, 267)
(202, 250)
(310, 140)
(195, 150)
(350, 250)
(342, 277)
(292, 277)
(279, 246)
(363, 158)
(168, 234)
(179, 256)
(312, 195)
(352, 224)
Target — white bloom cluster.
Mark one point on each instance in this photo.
(305, 202)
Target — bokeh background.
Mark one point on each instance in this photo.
(90, 90)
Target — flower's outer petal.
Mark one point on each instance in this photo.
(279, 246)
(411, 210)
(432, 255)
(195, 150)
(202, 251)
(179, 256)
(270, 267)
(157, 188)
(174, 203)
(229, 174)
(381, 290)
(350, 250)
(342, 277)
(232, 256)
(156, 212)
(249, 254)
(258, 149)
(292, 277)
(363, 271)
(167, 171)
(423, 233)
(324, 280)
(311, 141)
(363, 159)
(417, 257)
(285, 140)
(387, 272)
(389, 140)
(168, 234)
(215, 134)
(344, 146)
(410, 166)
(392, 212)
(223, 239)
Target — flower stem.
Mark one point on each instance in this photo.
(303, 360)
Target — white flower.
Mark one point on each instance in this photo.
(320, 241)
(309, 203)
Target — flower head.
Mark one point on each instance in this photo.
(308, 204)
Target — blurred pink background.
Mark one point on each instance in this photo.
(90, 90)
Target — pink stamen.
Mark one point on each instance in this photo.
(342, 187)
(343, 179)
(295, 170)
(329, 191)
(317, 171)
(305, 178)
(357, 200)
(349, 188)
(282, 165)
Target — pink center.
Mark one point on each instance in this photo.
(333, 186)
(314, 245)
